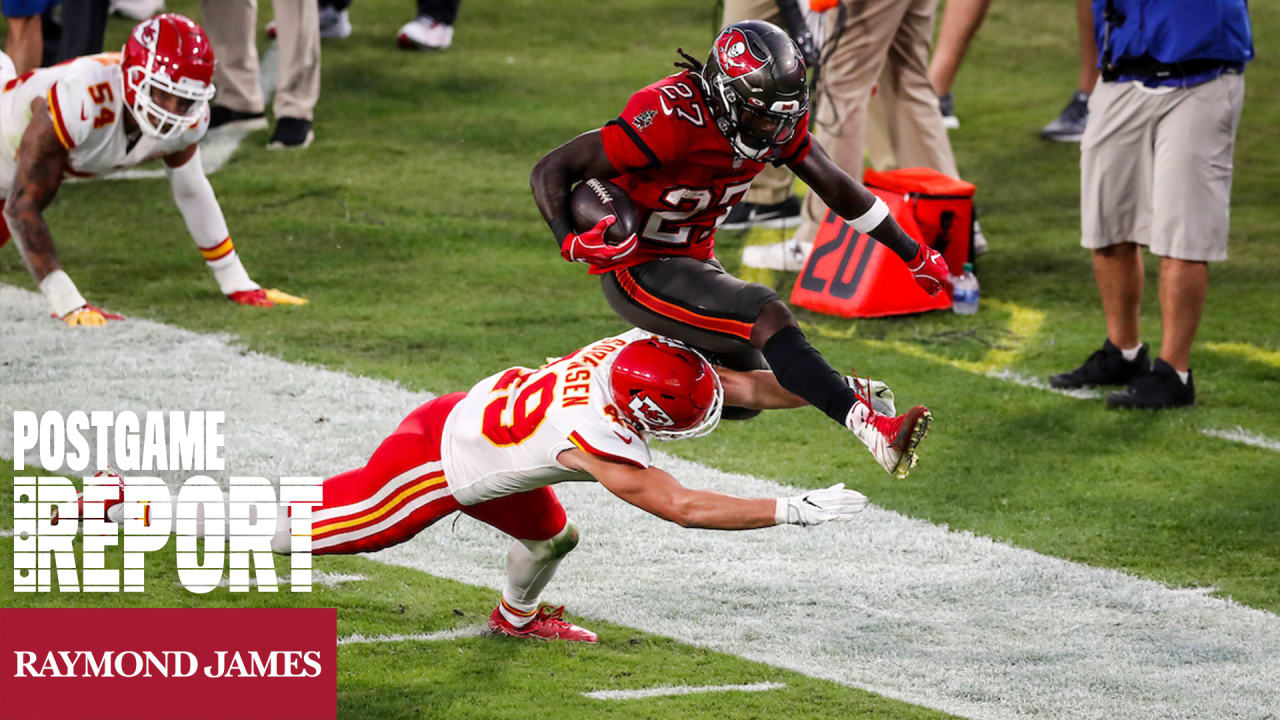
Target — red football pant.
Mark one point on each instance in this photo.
(402, 490)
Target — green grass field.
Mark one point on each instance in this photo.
(410, 227)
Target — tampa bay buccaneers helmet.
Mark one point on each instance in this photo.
(168, 74)
(755, 78)
(666, 390)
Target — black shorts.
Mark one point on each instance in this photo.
(695, 302)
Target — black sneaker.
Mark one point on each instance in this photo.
(222, 116)
(947, 106)
(1104, 367)
(785, 214)
(1161, 388)
(1069, 125)
(291, 134)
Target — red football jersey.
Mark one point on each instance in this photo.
(679, 169)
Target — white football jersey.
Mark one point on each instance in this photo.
(505, 435)
(85, 97)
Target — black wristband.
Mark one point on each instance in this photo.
(561, 228)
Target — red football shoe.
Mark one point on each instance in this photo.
(891, 440)
(546, 625)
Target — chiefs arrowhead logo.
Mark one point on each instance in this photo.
(735, 54)
(642, 406)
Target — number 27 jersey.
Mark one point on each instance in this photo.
(679, 169)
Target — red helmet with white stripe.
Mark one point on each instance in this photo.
(168, 74)
(666, 389)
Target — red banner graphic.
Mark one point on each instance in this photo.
(143, 663)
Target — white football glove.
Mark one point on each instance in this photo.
(818, 506)
(880, 395)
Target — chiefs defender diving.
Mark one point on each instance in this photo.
(493, 453)
(99, 113)
(685, 149)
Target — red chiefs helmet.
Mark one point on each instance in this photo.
(666, 389)
(167, 55)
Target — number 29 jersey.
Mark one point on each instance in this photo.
(504, 437)
(679, 169)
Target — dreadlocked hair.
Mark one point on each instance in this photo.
(693, 65)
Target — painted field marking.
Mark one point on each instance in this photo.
(454, 634)
(670, 690)
(6, 533)
(218, 144)
(1247, 351)
(943, 619)
(1247, 437)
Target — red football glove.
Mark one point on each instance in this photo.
(929, 269)
(590, 248)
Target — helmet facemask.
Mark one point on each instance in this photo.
(153, 118)
(753, 129)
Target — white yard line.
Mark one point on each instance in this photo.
(894, 605)
(670, 690)
(6, 533)
(1247, 437)
(1040, 384)
(454, 634)
(218, 144)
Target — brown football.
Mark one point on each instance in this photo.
(595, 199)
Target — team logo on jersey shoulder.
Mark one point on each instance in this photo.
(735, 54)
(644, 119)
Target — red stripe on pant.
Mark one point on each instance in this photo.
(532, 515)
(655, 304)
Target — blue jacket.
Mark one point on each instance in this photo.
(1173, 31)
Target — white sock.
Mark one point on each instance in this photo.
(528, 573)
(230, 274)
(1183, 376)
(516, 614)
(1132, 353)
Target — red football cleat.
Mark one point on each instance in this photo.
(891, 440)
(546, 625)
(254, 298)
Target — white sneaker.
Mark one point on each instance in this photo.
(426, 34)
(891, 440)
(334, 24)
(789, 254)
(979, 240)
(137, 9)
(878, 393)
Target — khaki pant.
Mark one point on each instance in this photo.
(1156, 166)
(885, 42)
(773, 184)
(232, 25)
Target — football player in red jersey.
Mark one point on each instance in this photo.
(685, 149)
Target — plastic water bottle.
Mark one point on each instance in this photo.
(964, 300)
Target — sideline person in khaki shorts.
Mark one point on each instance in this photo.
(1155, 171)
